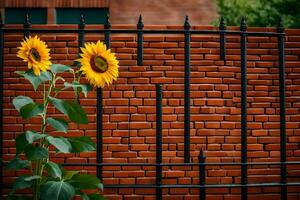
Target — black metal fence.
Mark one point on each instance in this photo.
(187, 32)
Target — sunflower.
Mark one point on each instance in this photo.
(99, 65)
(35, 52)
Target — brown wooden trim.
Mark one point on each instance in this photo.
(54, 3)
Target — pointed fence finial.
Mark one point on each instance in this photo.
(107, 24)
(187, 25)
(140, 24)
(201, 156)
(222, 25)
(280, 27)
(27, 23)
(81, 24)
(243, 26)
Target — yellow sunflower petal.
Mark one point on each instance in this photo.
(34, 51)
(99, 65)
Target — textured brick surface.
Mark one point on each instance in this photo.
(129, 111)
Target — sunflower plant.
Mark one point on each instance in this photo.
(47, 179)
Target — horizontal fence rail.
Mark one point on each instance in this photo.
(186, 32)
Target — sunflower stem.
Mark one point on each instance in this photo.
(39, 165)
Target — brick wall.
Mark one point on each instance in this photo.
(215, 111)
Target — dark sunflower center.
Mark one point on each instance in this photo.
(99, 64)
(35, 54)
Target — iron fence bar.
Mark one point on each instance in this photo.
(26, 26)
(177, 164)
(107, 27)
(1, 95)
(244, 190)
(81, 27)
(158, 140)
(187, 39)
(189, 185)
(202, 186)
(145, 31)
(222, 28)
(202, 174)
(283, 167)
(140, 26)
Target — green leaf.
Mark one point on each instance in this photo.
(82, 144)
(35, 153)
(85, 196)
(33, 79)
(23, 182)
(76, 113)
(54, 169)
(86, 181)
(69, 174)
(32, 136)
(21, 143)
(71, 109)
(21, 101)
(57, 190)
(26, 138)
(17, 164)
(84, 88)
(96, 197)
(59, 104)
(31, 110)
(55, 68)
(58, 123)
(60, 143)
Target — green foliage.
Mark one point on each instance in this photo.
(263, 13)
(57, 190)
(82, 144)
(56, 183)
(54, 169)
(71, 109)
(36, 153)
(17, 164)
(86, 181)
(33, 79)
(60, 143)
(58, 124)
(23, 182)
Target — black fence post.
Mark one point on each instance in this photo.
(27, 26)
(202, 175)
(140, 26)
(107, 27)
(244, 169)
(281, 60)
(99, 136)
(1, 96)
(222, 28)
(158, 141)
(81, 27)
(187, 39)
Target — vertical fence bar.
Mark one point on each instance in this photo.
(158, 141)
(81, 27)
(107, 27)
(1, 96)
(244, 190)
(27, 26)
(281, 60)
(202, 174)
(187, 39)
(140, 26)
(222, 28)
